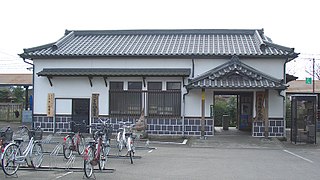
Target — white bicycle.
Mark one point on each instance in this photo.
(125, 139)
(14, 155)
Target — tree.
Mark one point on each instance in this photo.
(16, 95)
(4, 95)
(225, 106)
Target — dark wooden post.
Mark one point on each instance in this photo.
(26, 97)
(203, 96)
(266, 116)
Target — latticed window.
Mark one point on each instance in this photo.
(164, 103)
(156, 101)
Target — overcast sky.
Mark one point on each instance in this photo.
(30, 23)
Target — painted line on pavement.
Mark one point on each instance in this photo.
(166, 142)
(150, 151)
(298, 156)
(65, 174)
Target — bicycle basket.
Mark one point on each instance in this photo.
(36, 134)
(6, 135)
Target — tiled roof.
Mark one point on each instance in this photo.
(235, 74)
(16, 80)
(160, 43)
(114, 72)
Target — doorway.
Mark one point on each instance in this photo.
(236, 108)
(80, 113)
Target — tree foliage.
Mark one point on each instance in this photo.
(225, 106)
(16, 95)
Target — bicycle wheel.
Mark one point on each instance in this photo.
(9, 166)
(67, 151)
(81, 144)
(130, 149)
(120, 142)
(131, 156)
(88, 157)
(36, 155)
(107, 148)
(102, 158)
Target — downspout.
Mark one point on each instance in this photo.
(184, 97)
(284, 99)
(184, 110)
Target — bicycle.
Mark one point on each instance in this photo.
(125, 139)
(97, 151)
(74, 142)
(13, 156)
(5, 137)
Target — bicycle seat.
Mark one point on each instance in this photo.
(92, 142)
(128, 134)
(18, 141)
(71, 133)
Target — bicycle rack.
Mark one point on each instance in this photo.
(70, 162)
(54, 155)
(47, 140)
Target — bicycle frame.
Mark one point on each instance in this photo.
(26, 153)
(75, 140)
(97, 147)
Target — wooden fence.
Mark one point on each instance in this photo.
(11, 112)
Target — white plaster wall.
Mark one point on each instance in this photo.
(275, 104)
(76, 87)
(271, 67)
(193, 103)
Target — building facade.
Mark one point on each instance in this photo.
(169, 76)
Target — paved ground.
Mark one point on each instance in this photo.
(228, 155)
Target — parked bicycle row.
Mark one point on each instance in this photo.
(94, 151)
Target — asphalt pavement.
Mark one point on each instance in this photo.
(227, 155)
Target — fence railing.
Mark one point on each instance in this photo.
(11, 111)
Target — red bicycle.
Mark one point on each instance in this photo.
(97, 151)
(74, 142)
(5, 138)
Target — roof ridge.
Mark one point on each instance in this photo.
(166, 31)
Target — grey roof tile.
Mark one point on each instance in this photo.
(174, 43)
(108, 72)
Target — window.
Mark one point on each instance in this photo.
(134, 98)
(154, 85)
(173, 85)
(115, 100)
(134, 85)
(123, 102)
(156, 101)
(164, 103)
(116, 85)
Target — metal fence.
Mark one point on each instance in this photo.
(156, 103)
(11, 111)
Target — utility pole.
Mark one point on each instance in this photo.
(313, 85)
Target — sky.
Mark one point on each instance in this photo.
(30, 23)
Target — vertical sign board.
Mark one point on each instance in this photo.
(50, 105)
(260, 106)
(95, 105)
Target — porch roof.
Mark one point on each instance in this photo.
(235, 75)
(112, 72)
